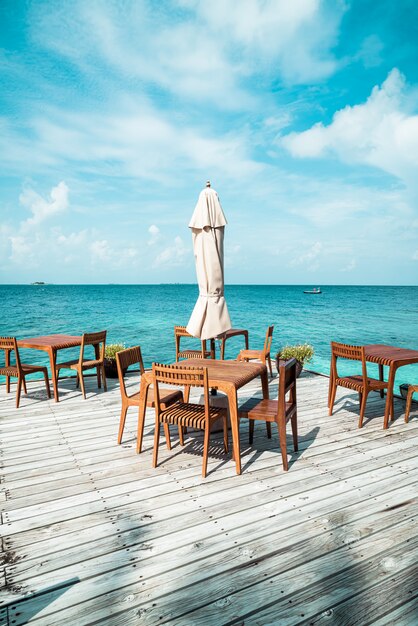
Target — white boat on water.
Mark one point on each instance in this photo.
(314, 290)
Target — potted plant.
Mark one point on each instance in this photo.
(110, 359)
(303, 353)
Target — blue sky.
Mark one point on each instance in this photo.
(303, 114)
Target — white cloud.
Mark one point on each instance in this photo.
(173, 255)
(41, 208)
(21, 250)
(380, 132)
(155, 234)
(100, 251)
(291, 40)
(309, 258)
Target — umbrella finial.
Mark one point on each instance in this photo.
(208, 183)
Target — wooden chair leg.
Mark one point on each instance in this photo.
(104, 378)
(332, 397)
(329, 389)
(294, 424)
(408, 403)
(205, 452)
(226, 444)
(282, 435)
(156, 443)
(48, 389)
(77, 381)
(181, 438)
(268, 429)
(167, 435)
(83, 388)
(270, 367)
(362, 408)
(24, 385)
(18, 391)
(250, 431)
(122, 421)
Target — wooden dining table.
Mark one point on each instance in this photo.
(227, 377)
(394, 358)
(51, 344)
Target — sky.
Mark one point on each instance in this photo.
(303, 115)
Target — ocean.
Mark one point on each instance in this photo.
(146, 315)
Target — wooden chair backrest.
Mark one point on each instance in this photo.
(268, 340)
(180, 376)
(349, 352)
(126, 358)
(9, 344)
(94, 339)
(287, 385)
(179, 332)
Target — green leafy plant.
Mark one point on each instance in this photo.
(112, 349)
(301, 352)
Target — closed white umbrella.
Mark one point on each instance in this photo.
(210, 317)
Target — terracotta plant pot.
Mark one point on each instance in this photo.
(299, 366)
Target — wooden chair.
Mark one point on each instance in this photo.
(186, 414)
(98, 341)
(411, 390)
(279, 411)
(358, 382)
(19, 370)
(203, 353)
(133, 356)
(261, 355)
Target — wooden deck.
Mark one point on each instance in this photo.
(93, 535)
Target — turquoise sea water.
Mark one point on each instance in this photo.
(146, 314)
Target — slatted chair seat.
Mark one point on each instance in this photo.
(279, 411)
(260, 409)
(124, 360)
(191, 415)
(361, 383)
(86, 365)
(261, 355)
(190, 353)
(9, 371)
(194, 354)
(19, 370)
(167, 397)
(356, 383)
(98, 341)
(186, 414)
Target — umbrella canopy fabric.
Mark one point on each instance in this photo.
(210, 316)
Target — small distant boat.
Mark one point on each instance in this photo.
(38, 282)
(314, 290)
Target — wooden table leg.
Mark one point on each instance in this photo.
(222, 349)
(233, 416)
(52, 361)
(143, 394)
(389, 395)
(246, 340)
(382, 391)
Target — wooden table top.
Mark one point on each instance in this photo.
(234, 331)
(50, 341)
(389, 355)
(232, 372)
